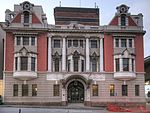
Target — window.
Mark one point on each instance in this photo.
(24, 63)
(69, 43)
(75, 63)
(123, 20)
(95, 89)
(125, 64)
(93, 43)
(123, 43)
(56, 64)
(82, 65)
(56, 43)
(124, 90)
(32, 64)
(18, 40)
(16, 63)
(133, 65)
(34, 89)
(56, 90)
(15, 90)
(32, 41)
(24, 89)
(25, 40)
(75, 43)
(94, 64)
(117, 64)
(112, 90)
(26, 17)
(81, 43)
(130, 42)
(117, 42)
(68, 65)
(137, 90)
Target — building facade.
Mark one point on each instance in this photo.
(74, 61)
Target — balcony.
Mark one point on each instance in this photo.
(25, 75)
(124, 75)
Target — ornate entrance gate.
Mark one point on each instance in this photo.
(75, 92)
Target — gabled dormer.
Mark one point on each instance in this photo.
(123, 18)
(25, 14)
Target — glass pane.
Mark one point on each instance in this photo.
(56, 43)
(94, 65)
(69, 43)
(123, 20)
(15, 90)
(137, 90)
(32, 64)
(34, 89)
(95, 89)
(24, 63)
(124, 90)
(112, 90)
(56, 64)
(16, 63)
(32, 41)
(125, 64)
(26, 17)
(75, 64)
(18, 40)
(56, 90)
(93, 43)
(25, 40)
(117, 42)
(117, 64)
(123, 43)
(130, 42)
(75, 43)
(24, 89)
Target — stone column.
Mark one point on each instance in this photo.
(130, 64)
(121, 64)
(19, 66)
(29, 63)
(71, 64)
(101, 55)
(49, 54)
(64, 54)
(87, 55)
(63, 96)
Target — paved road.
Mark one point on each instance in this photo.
(47, 110)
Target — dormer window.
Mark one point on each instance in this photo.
(26, 17)
(123, 20)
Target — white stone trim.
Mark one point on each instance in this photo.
(87, 55)
(64, 54)
(101, 55)
(49, 54)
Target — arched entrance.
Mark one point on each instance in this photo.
(75, 92)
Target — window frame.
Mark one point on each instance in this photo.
(94, 43)
(56, 90)
(56, 43)
(124, 90)
(24, 64)
(25, 90)
(15, 90)
(95, 90)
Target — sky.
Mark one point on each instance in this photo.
(107, 11)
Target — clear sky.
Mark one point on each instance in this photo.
(107, 11)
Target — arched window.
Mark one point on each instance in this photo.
(56, 62)
(94, 61)
(26, 17)
(123, 20)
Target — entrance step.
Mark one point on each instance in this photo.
(81, 106)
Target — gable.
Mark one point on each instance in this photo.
(114, 21)
(17, 18)
(35, 19)
(131, 22)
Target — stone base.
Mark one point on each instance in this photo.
(64, 103)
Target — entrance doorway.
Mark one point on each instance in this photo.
(75, 92)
